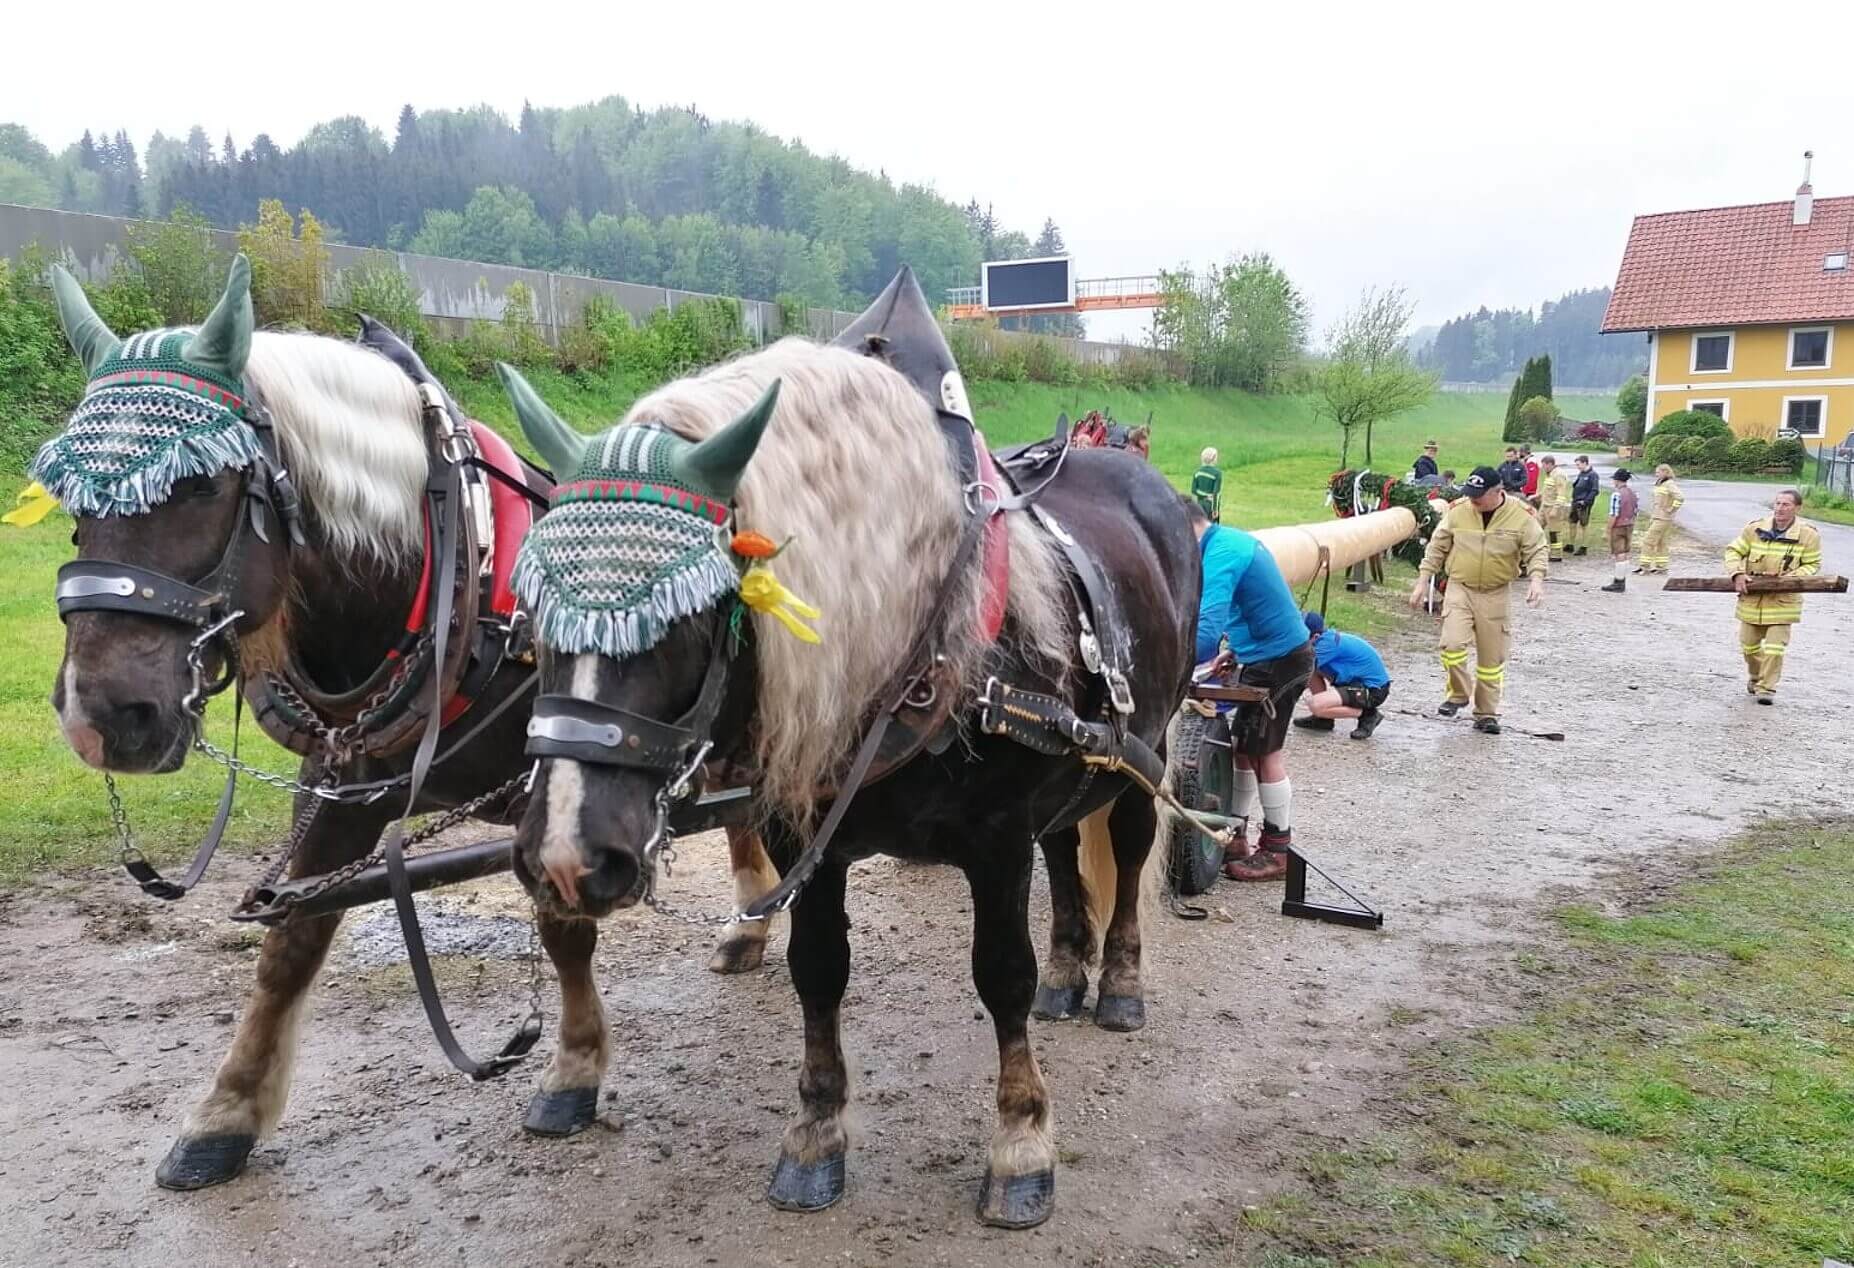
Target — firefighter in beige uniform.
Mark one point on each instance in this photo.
(1667, 500)
(1555, 503)
(1778, 545)
(1482, 545)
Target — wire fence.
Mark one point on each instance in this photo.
(1834, 468)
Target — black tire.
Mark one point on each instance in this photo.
(1204, 780)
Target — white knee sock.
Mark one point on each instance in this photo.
(1622, 569)
(1278, 804)
(1245, 794)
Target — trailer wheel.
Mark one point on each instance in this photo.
(1204, 780)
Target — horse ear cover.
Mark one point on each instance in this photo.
(90, 337)
(224, 342)
(716, 464)
(559, 445)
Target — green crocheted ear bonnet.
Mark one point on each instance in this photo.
(161, 406)
(638, 535)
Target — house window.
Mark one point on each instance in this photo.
(1805, 415)
(1810, 347)
(1721, 409)
(1712, 353)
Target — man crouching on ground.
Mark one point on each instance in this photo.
(1245, 600)
(1349, 681)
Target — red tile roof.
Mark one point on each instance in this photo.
(1729, 266)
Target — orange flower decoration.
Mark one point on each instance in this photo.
(751, 545)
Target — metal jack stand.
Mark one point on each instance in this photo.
(1294, 903)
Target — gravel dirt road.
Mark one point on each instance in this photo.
(1269, 1037)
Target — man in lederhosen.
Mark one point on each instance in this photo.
(1247, 616)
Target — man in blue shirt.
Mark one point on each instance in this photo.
(1247, 616)
(1349, 681)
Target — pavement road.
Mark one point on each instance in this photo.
(1716, 510)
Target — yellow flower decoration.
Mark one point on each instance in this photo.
(34, 505)
(763, 592)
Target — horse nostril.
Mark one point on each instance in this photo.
(611, 882)
(136, 722)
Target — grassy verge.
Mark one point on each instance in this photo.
(1830, 508)
(1683, 1095)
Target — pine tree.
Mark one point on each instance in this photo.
(1521, 393)
(1049, 242)
(87, 156)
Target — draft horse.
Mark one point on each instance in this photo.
(253, 507)
(944, 717)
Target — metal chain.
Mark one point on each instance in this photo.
(449, 819)
(324, 791)
(125, 837)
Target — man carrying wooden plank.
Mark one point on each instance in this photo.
(1778, 545)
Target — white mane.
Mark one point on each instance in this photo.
(348, 426)
(853, 470)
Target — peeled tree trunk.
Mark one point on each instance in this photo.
(1296, 547)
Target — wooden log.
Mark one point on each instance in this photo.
(1296, 548)
(1236, 693)
(1759, 585)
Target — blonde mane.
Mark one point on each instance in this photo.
(348, 427)
(854, 471)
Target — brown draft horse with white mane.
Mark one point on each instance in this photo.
(850, 467)
(347, 424)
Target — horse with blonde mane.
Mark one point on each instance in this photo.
(164, 468)
(654, 597)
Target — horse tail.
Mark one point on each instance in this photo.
(1099, 874)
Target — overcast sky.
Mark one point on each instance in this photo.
(1481, 153)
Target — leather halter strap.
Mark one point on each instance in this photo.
(564, 726)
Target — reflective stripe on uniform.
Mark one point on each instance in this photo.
(1490, 673)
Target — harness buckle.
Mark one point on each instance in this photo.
(989, 702)
(1119, 691)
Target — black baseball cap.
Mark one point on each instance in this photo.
(1621, 475)
(1480, 481)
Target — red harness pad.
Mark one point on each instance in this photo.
(995, 551)
(513, 515)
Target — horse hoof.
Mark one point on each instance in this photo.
(567, 1112)
(1056, 1003)
(738, 955)
(800, 1186)
(204, 1161)
(1017, 1201)
(1120, 1012)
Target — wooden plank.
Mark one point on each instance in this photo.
(1238, 694)
(1759, 585)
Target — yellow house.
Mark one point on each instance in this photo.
(1749, 313)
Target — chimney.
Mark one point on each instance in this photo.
(1805, 196)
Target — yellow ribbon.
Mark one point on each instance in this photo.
(34, 505)
(763, 592)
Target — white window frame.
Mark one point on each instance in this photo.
(1824, 415)
(1828, 355)
(1723, 402)
(1731, 350)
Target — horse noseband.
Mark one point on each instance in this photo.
(587, 731)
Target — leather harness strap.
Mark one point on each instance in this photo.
(444, 491)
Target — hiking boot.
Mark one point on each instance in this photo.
(1764, 697)
(1367, 723)
(1487, 726)
(1583, 550)
(1449, 708)
(1615, 587)
(1557, 559)
(1263, 865)
(1311, 723)
(1238, 847)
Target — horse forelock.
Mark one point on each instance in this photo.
(348, 426)
(854, 471)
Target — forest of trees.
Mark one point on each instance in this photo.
(1484, 346)
(665, 197)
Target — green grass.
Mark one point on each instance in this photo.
(1276, 455)
(1831, 508)
(1683, 1095)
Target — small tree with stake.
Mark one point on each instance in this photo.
(1368, 377)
